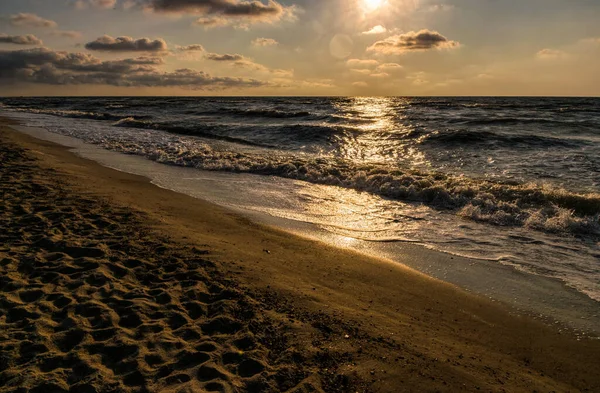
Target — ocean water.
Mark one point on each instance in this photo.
(513, 181)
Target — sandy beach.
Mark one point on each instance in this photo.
(111, 284)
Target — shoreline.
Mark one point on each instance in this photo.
(449, 339)
(548, 299)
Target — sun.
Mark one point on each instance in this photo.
(372, 5)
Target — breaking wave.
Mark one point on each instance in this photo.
(530, 205)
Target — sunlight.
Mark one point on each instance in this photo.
(372, 5)
(375, 117)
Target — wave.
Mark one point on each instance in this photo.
(202, 132)
(506, 121)
(78, 114)
(89, 110)
(522, 105)
(545, 209)
(541, 208)
(478, 138)
(268, 113)
(269, 136)
(460, 137)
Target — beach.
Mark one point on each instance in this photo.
(110, 283)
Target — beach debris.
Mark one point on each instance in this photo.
(266, 251)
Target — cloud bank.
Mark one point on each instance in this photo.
(45, 66)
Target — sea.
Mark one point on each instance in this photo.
(511, 182)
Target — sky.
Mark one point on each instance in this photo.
(300, 47)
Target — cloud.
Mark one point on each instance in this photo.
(591, 41)
(244, 62)
(66, 33)
(45, 66)
(380, 75)
(216, 13)
(413, 41)
(548, 54)
(189, 52)
(28, 39)
(358, 63)
(223, 7)
(82, 4)
(264, 42)
(360, 84)
(126, 44)
(439, 8)
(418, 78)
(361, 71)
(209, 23)
(31, 20)
(373, 69)
(224, 57)
(190, 48)
(379, 29)
(390, 68)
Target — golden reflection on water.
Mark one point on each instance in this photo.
(355, 215)
(383, 135)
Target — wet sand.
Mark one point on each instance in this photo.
(108, 283)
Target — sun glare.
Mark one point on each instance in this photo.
(372, 5)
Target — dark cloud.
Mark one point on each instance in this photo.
(224, 7)
(28, 39)
(144, 61)
(31, 20)
(224, 57)
(413, 41)
(81, 4)
(223, 12)
(191, 78)
(190, 48)
(126, 44)
(45, 66)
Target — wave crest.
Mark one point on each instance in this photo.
(507, 204)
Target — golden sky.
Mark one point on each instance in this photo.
(300, 47)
